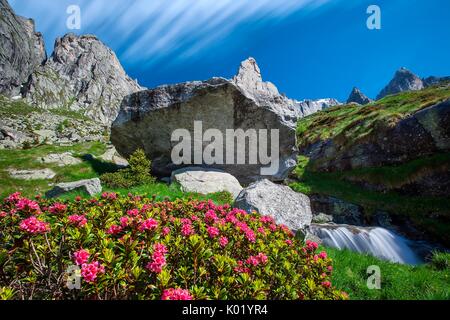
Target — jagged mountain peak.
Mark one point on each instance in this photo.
(403, 80)
(356, 96)
(84, 75)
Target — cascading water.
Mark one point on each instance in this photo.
(376, 241)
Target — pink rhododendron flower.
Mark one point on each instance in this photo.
(78, 220)
(110, 196)
(57, 208)
(326, 284)
(158, 258)
(253, 261)
(289, 242)
(27, 205)
(311, 245)
(149, 224)
(14, 197)
(114, 229)
(241, 268)
(195, 218)
(266, 219)
(90, 271)
(124, 221)
(262, 258)
(34, 226)
(77, 198)
(165, 231)
(3, 214)
(176, 294)
(250, 235)
(81, 257)
(330, 268)
(323, 255)
(210, 216)
(212, 232)
(261, 231)
(186, 221)
(223, 241)
(133, 212)
(273, 227)
(187, 230)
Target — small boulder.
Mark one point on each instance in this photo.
(322, 218)
(45, 135)
(39, 174)
(61, 159)
(90, 186)
(111, 155)
(277, 201)
(204, 181)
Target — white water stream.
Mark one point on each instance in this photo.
(376, 241)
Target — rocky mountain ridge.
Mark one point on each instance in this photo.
(83, 75)
(21, 50)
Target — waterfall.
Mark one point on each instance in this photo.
(376, 241)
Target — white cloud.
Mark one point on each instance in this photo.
(147, 30)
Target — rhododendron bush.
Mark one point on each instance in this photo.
(135, 248)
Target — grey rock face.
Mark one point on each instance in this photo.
(432, 80)
(61, 159)
(148, 118)
(308, 107)
(38, 174)
(90, 186)
(204, 181)
(404, 80)
(358, 97)
(21, 50)
(277, 201)
(324, 207)
(81, 75)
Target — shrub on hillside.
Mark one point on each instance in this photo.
(137, 173)
(440, 260)
(135, 248)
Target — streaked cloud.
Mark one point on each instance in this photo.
(150, 30)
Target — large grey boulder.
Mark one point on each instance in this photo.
(82, 75)
(21, 50)
(90, 186)
(35, 174)
(280, 202)
(148, 118)
(404, 80)
(204, 181)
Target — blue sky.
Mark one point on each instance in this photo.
(307, 48)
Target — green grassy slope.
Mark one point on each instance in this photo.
(400, 282)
